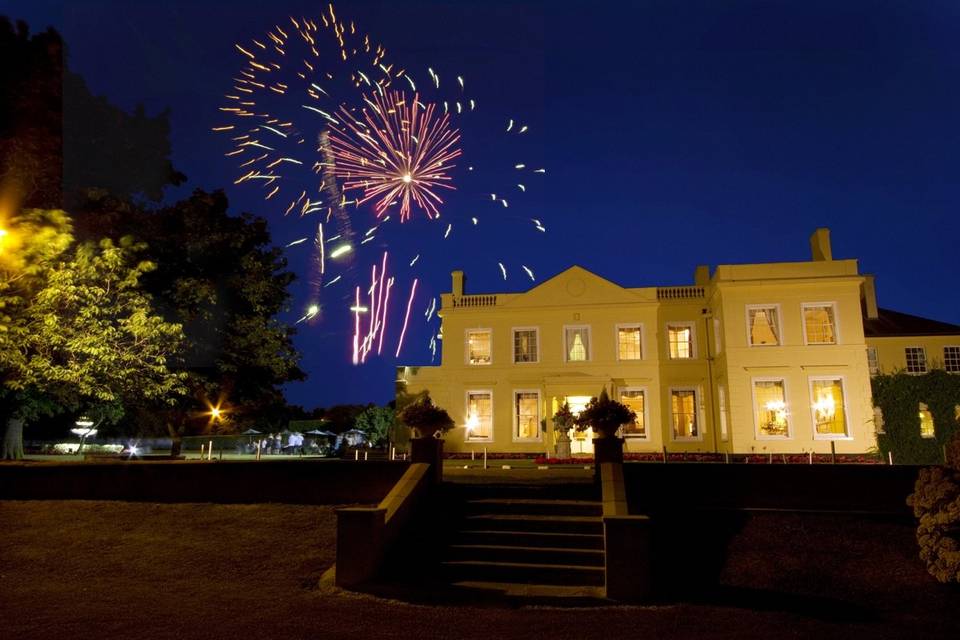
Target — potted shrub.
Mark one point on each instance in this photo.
(563, 421)
(605, 416)
(427, 421)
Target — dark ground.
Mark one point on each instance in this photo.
(78, 569)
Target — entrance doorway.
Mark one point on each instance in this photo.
(581, 442)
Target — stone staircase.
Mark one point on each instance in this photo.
(529, 541)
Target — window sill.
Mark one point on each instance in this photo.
(829, 437)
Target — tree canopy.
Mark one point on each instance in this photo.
(77, 332)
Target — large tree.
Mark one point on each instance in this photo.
(220, 278)
(77, 331)
(57, 139)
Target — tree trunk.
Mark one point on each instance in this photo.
(13, 440)
(176, 439)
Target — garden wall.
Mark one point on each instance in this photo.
(880, 489)
(284, 481)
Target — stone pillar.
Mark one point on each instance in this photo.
(627, 541)
(360, 541)
(428, 451)
(608, 449)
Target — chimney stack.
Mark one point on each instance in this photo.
(869, 293)
(458, 278)
(820, 245)
(701, 277)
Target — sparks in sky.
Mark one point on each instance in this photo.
(400, 149)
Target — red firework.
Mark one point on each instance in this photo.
(399, 150)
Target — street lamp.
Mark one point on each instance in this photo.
(84, 429)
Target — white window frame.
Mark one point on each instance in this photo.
(846, 409)
(466, 345)
(566, 349)
(836, 323)
(643, 342)
(698, 407)
(722, 403)
(513, 343)
(515, 421)
(779, 326)
(926, 361)
(646, 412)
(945, 347)
(466, 406)
(753, 407)
(873, 371)
(693, 338)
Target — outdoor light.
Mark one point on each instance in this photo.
(84, 429)
(215, 413)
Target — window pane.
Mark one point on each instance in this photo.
(770, 407)
(527, 410)
(479, 415)
(951, 359)
(684, 410)
(763, 326)
(478, 347)
(819, 323)
(525, 345)
(680, 339)
(578, 344)
(634, 399)
(722, 400)
(828, 410)
(927, 429)
(916, 360)
(628, 343)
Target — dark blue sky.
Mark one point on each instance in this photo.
(674, 134)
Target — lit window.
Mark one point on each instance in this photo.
(770, 408)
(577, 343)
(873, 362)
(683, 409)
(629, 342)
(718, 335)
(525, 345)
(634, 398)
(951, 359)
(916, 359)
(763, 325)
(819, 324)
(878, 419)
(526, 415)
(480, 415)
(479, 343)
(827, 402)
(722, 401)
(927, 429)
(680, 340)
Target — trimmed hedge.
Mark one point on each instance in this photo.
(899, 396)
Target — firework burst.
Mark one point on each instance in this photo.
(399, 150)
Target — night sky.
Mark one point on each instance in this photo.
(673, 133)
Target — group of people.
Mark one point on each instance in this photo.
(273, 444)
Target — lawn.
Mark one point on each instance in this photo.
(116, 569)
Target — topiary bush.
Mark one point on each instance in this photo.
(604, 415)
(936, 504)
(425, 418)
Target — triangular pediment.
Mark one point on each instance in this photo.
(574, 286)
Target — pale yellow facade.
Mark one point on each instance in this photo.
(756, 358)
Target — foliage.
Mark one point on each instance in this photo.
(425, 418)
(57, 139)
(899, 396)
(604, 415)
(218, 276)
(77, 331)
(563, 419)
(936, 504)
(376, 423)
